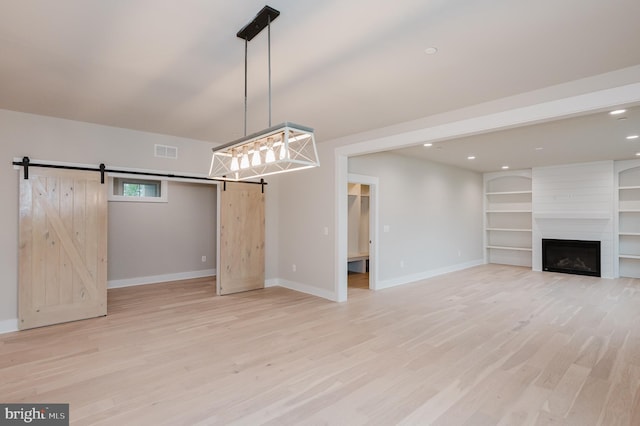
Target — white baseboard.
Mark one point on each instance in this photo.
(406, 279)
(302, 288)
(271, 282)
(8, 326)
(330, 295)
(153, 279)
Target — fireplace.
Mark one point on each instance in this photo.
(571, 257)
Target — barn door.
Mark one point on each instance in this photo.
(63, 247)
(241, 266)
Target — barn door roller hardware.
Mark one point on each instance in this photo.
(26, 163)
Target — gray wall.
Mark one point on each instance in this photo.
(150, 239)
(433, 213)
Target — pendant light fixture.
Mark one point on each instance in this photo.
(277, 149)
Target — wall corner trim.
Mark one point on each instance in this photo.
(8, 326)
(302, 288)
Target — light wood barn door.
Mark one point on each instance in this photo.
(63, 247)
(242, 230)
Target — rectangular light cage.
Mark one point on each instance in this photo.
(278, 149)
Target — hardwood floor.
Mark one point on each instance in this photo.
(358, 280)
(488, 345)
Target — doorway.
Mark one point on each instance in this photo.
(361, 231)
(358, 235)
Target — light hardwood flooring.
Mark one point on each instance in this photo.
(358, 280)
(488, 345)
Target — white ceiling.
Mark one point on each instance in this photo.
(582, 139)
(340, 66)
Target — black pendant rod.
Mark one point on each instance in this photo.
(102, 169)
(262, 20)
(269, 54)
(246, 44)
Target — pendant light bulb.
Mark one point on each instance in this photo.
(270, 156)
(234, 161)
(255, 159)
(283, 149)
(244, 162)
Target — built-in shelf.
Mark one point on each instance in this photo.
(629, 219)
(508, 205)
(508, 211)
(508, 192)
(629, 256)
(510, 248)
(586, 215)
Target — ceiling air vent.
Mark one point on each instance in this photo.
(166, 151)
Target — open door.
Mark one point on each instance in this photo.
(62, 247)
(242, 229)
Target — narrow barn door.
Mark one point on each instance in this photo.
(63, 247)
(242, 261)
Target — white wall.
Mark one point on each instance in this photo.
(152, 242)
(433, 213)
(306, 207)
(53, 139)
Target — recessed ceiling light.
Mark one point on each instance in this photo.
(431, 50)
(505, 167)
(638, 154)
(632, 137)
(618, 111)
(539, 148)
(471, 157)
(428, 144)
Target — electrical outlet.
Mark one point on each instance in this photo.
(293, 267)
(459, 253)
(204, 258)
(385, 228)
(402, 263)
(325, 230)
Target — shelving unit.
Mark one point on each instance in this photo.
(629, 219)
(507, 222)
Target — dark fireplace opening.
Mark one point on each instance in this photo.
(571, 257)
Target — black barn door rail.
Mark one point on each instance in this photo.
(102, 169)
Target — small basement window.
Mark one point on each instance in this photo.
(141, 190)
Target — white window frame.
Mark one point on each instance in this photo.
(112, 196)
